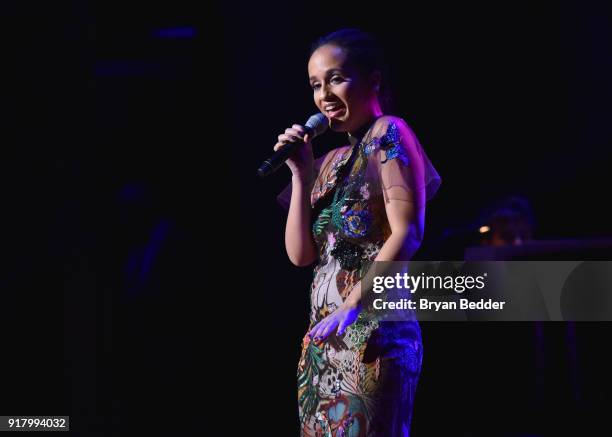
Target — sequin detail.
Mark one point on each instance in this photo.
(347, 254)
(356, 223)
(371, 146)
(321, 190)
(391, 144)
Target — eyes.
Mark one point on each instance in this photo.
(336, 79)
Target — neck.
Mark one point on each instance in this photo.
(356, 136)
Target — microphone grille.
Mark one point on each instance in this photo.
(317, 124)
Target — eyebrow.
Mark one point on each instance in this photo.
(327, 73)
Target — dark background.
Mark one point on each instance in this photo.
(144, 279)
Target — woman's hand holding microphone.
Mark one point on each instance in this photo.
(301, 163)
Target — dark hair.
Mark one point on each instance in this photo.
(365, 53)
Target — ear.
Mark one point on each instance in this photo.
(376, 80)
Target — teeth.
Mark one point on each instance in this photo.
(333, 107)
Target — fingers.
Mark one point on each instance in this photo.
(342, 326)
(312, 333)
(287, 138)
(322, 329)
(284, 139)
(291, 135)
(329, 328)
(297, 130)
(315, 333)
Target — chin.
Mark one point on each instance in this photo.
(337, 125)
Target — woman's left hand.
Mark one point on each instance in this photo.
(337, 321)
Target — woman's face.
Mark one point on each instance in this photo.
(341, 92)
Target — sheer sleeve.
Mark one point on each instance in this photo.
(398, 167)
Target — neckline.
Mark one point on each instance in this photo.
(356, 140)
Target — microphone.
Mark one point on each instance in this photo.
(315, 126)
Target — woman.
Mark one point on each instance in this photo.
(360, 203)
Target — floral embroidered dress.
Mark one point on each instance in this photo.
(363, 382)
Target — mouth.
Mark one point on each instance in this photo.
(334, 110)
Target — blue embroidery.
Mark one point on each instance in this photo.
(391, 144)
(356, 223)
(371, 146)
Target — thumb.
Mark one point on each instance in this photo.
(307, 138)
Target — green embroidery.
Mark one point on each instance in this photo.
(322, 221)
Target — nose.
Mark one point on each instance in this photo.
(324, 92)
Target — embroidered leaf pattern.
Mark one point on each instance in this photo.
(322, 221)
(308, 396)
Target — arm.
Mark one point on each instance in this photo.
(299, 244)
(401, 244)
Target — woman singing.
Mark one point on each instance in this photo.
(359, 203)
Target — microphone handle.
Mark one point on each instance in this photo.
(279, 157)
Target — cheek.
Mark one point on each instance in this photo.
(318, 103)
(352, 96)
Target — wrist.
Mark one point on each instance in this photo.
(306, 181)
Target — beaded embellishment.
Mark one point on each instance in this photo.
(390, 142)
(348, 254)
(356, 223)
(322, 189)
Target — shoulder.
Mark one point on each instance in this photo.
(391, 125)
(392, 138)
(385, 120)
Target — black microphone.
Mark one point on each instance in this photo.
(315, 126)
